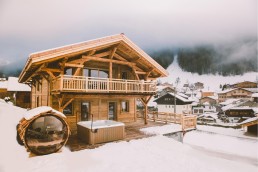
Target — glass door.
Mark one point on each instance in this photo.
(85, 111)
(112, 110)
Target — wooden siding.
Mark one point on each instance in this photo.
(103, 135)
(98, 108)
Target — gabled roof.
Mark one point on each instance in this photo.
(120, 40)
(177, 96)
(229, 90)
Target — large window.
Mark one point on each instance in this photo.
(68, 110)
(99, 73)
(125, 106)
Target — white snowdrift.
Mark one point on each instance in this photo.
(157, 153)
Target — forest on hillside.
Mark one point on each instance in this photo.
(230, 59)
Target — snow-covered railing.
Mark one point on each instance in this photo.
(187, 121)
(93, 84)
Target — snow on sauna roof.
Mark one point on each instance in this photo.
(14, 85)
(125, 46)
(42, 109)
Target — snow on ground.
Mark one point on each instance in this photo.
(157, 153)
(222, 143)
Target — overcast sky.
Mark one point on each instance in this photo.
(27, 26)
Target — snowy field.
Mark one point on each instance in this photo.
(201, 152)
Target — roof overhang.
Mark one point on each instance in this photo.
(39, 58)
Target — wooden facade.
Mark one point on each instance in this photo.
(234, 93)
(99, 79)
(245, 84)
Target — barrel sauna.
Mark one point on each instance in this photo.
(43, 131)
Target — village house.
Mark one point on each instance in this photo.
(208, 117)
(12, 90)
(206, 93)
(3, 88)
(239, 114)
(245, 84)
(212, 100)
(100, 78)
(239, 93)
(174, 103)
(250, 125)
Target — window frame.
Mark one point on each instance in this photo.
(127, 107)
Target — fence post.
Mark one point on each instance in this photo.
(86, 84)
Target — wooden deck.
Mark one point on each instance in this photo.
(132, 131)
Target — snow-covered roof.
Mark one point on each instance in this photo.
(162, 87)
(229, 106)
(14, 85)
(213, 115)
(181, 98)
(249, 120)
(3, 84)
(229, 101)
(183, 95)
(255, 95)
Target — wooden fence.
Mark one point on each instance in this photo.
(187, 121)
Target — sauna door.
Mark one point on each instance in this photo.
(112, 110)
(85, 111)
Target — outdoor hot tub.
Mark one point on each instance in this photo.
(100, 131)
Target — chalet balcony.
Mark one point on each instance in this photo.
(67, 83)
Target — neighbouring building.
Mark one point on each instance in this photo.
(251, 125)
(206, 93)
(237, 93)
(208, 117)
(212, 100)
(3, 88)
(19, 94)
(169, 102)
(100, 78)
(239, 114)
(245, 84)
(204, 108)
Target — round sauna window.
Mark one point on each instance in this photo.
(46, 134)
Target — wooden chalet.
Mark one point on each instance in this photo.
(100, 78)
(245, 84)
(235, 93)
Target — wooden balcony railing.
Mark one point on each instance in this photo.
(101, 85)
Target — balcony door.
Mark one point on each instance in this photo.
(112, 111)
(85, 111)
